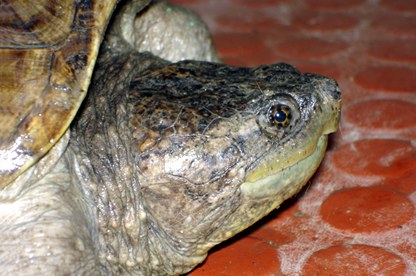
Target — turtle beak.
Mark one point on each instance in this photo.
(332, 104)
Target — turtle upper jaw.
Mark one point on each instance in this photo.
(271, 184)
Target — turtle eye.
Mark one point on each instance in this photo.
(280, 115)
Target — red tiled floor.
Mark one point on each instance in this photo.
(325, 22)
(376, 157)
(390, 78)
(228, 260)
(355, 209)
(352, 260)
(357, 215)
(394, 25)
(311, 48)
(394, 50)
(331, 4)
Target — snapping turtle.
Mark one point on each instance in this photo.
(162, 160)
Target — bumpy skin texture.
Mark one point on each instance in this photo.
(168, 31)
(185, 29)
(162, 150)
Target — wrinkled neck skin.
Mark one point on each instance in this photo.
(45, 221)
(149, 214)
(126, 225)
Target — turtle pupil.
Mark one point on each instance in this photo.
(280, 115)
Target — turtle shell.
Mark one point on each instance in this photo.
(47, 54)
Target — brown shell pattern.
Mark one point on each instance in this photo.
(47, 54)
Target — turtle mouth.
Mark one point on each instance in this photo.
(263, 183)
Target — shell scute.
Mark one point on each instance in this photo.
(47, 54)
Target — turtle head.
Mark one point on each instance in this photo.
(219, 147)
(183, 156)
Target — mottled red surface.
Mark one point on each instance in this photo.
(357, 216)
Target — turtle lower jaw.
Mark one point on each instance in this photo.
(296, 176)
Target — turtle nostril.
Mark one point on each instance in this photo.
(336, 93)
(333, 89)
